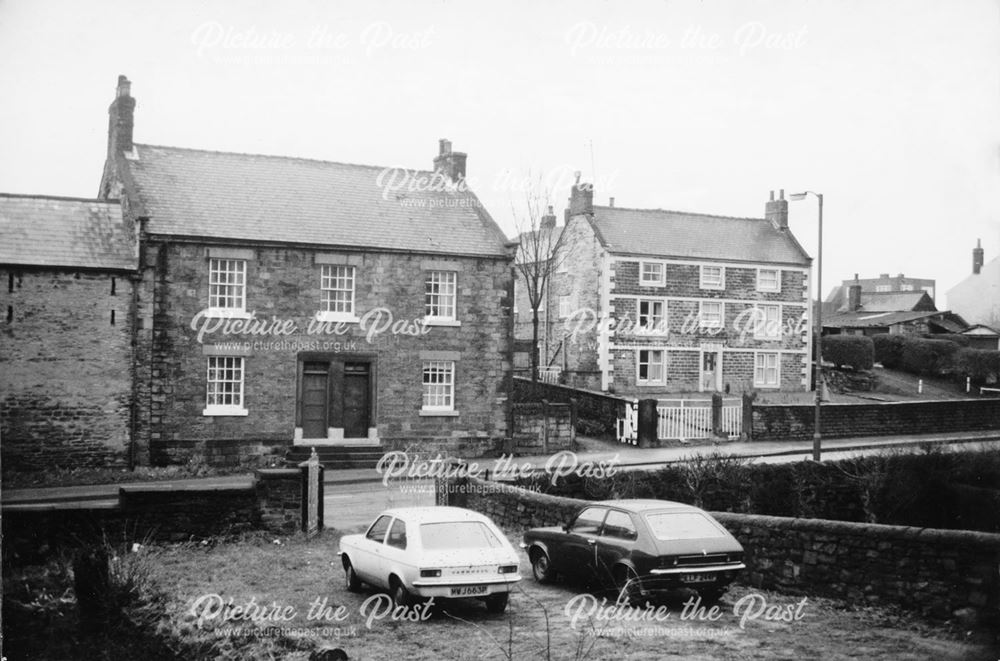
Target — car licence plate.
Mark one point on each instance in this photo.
(468, 591)
(697, 578)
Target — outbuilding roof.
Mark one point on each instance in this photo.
(37, 230)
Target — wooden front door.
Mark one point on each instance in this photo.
(315, 413)
(356, 404)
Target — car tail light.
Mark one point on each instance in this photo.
(430, 573)
(508, 569)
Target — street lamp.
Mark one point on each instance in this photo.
(819, 320)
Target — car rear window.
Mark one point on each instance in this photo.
(458, 535)
(682, 525)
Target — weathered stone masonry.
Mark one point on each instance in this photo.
(65, 358)
(284, 283)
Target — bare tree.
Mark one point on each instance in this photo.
(538, 254)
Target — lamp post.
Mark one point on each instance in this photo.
(819, 321)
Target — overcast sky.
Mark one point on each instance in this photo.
(889, 108)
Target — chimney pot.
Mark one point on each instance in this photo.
(776, 211)
(781, 194)
(611, 201)
(450, 163)
(883, 276)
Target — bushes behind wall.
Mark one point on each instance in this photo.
(956, 490)
(941, 356)
(854, 351)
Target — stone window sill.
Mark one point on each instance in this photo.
(430, 413)
(224, 411)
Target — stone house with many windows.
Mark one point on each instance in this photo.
(648, 302)
(67, 266)
(284, 301)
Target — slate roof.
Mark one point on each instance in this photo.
(901, 301)
(222, 195)
(867, 319)
(660, 233)
(66, 232)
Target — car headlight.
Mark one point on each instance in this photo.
(430, 573)
(508, 569)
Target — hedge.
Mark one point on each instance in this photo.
(854, 351)
(941, 355)
(889, 349)
(957, 490)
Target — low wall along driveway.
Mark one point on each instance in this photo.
(937, 572)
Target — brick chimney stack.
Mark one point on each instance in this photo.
(121, 115)
(977, 257)
(854, 295)
(548, 221)
(776, 211)
(450, 163)
(581, 198)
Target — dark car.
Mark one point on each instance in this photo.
(640, 546)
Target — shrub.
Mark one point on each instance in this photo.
(982, 366)
(888, 349)
(928, 357)
(854, 351)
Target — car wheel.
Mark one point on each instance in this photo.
(351, 578)
(626, 584)
(497, 603)
(541, 567)
(400, 595)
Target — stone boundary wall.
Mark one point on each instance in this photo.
(154, 512)
(544, 428)
(937, 572)
(599, 411)
(796, 422)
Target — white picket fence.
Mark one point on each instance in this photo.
(683, 420)
(549, 374)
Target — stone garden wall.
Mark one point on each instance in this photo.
(937, 572)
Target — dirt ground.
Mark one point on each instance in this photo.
(539, 623)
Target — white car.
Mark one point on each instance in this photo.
(441, 552)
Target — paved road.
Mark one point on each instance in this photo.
(352, 507)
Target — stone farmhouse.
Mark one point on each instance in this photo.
(647, 302)
(275, 302)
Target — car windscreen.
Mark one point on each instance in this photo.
(458, 535)
(682, 525)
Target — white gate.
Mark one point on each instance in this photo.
(683, 420)
(628, 427)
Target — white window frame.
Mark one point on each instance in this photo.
(760, 369)
(761, 329)
(438, 278)
(213, 378)
(777, 280)
(225, 273)
(561, 263)
(565, 306)
(882, 289)
(906, 287)
(701, 314)
(329, 274)
(438, 401)
(705, 283)
(658, 326)
(649, 363)
(659, 282)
